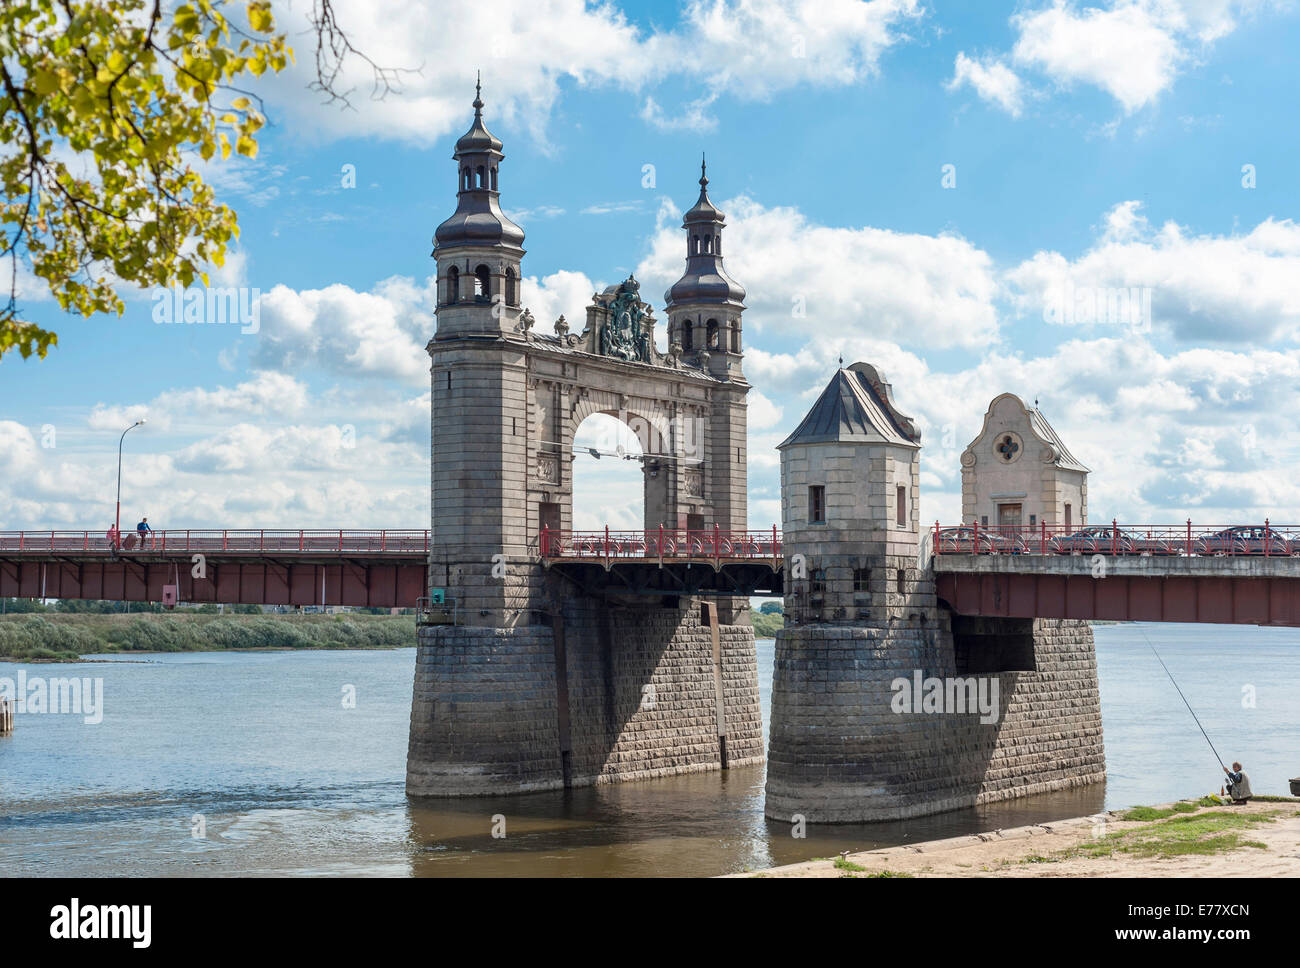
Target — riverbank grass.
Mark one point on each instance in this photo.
(66, 637)
(1157, 813)
(1210, 832)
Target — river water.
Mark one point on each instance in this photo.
(262, 754)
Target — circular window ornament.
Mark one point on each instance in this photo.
(1007, 448)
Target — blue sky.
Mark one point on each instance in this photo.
(1096, 147)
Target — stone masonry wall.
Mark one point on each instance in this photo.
(840, 754)
(483, 712)
(641, 699)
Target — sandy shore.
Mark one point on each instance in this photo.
(1267, 835)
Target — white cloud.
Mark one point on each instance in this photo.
(614, 208)
(364, 334)
(992, 81)
(250, 448)
(935, 289)
(1218, 288)
(1202, 432)
(117, 417)
(1131, 49)
(521, 216)
(762, 412)
(528, 50)
(694, 117)
(757, 47)
(381, 333)
(342, 459)
(266, 393)
(564, 293)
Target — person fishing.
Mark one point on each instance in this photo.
(1238, 784)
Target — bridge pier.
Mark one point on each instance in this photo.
(605, 691)
(885, 706)
(841, 752)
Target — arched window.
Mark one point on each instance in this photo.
(510, 284)
(688, 334)
(708, 244)
(464, 179)
(453, 285)
(711, 334)
(695, 245)
(717, 244)
(494, 177)
(482, 283)
(735, 336)
(481, 182)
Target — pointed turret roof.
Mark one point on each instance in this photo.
(478, 219)
(856, 406)
(478, 137)
(704, 210)
(705, 279)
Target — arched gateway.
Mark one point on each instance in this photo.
(542, 683)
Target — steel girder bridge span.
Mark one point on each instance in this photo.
(383, 569)
(666, 562)
(1227, 575)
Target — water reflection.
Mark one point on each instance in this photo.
(696, 825)
(288, 781)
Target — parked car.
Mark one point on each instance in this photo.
(968, 540)
(1007, 542)
(1158, 544)
(962, 541)
(1243, 539)
(1094, 540)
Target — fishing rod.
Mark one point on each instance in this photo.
(1184, 698)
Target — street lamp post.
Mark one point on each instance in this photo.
(117, 523)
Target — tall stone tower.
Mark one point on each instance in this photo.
(704, 311)
(863, 618)
(478, 249)
(705, 304)
(557, 672)
(479, 393)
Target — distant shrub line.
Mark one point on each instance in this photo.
(65, 637)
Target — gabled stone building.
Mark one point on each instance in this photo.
(1017, 473)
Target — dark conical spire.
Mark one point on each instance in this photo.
(478, 137)
(705, 210)
(705, 280)
(478, 219)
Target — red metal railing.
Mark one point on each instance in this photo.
(714, 544)
(1157, 540)
(247, 541)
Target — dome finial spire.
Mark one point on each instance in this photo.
(704, 179)
(478, 94)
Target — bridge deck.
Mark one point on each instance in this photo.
(1223, 589)
(666, 561)
(261, 567)
(94, 544)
